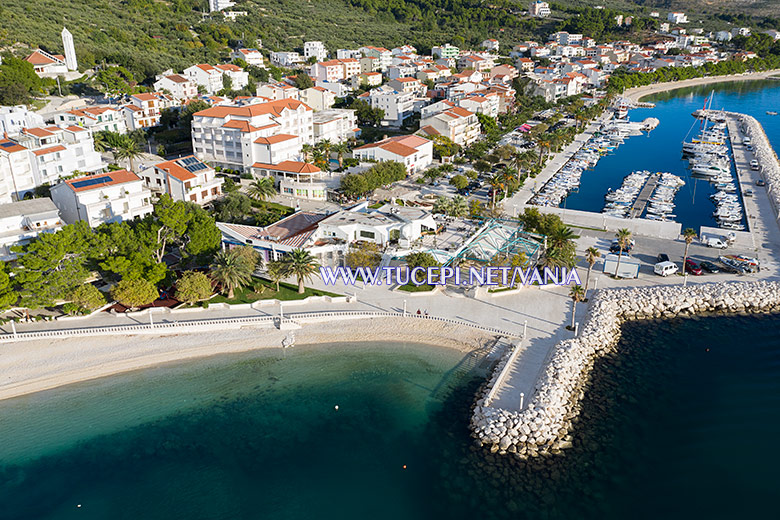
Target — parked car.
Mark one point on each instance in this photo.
(662, 257)
(716, 242)
(748, 193)
(692, 267)
(665, 268)
(749, 147)
(754, 165)
(615, 247)
(709, 266)
(760, 182)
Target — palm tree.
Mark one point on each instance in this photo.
(301, 264)
(624, 238)
(128, 149)
(275, 270)
(577, 294)
(100, 142)
(689, 235)
(319, 159)
(306, 150)
(560, 237)
(261, 189)
(325, 145)
(543, 143)
(341, 149)
(591, 254)
(459, 207)
(496, 183)
(231, 270)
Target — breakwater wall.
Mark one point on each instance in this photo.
(544, 426)
(765, 155)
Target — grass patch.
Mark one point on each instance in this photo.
(377, 205)
(500, 289)
(262, 289)
(410, 287)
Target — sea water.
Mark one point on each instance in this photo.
(681, 422)
(661, 149)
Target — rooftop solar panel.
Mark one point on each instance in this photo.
(91, 182)
(7, 144)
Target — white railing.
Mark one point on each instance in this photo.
(268, 320)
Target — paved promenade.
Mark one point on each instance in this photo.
(637, 93)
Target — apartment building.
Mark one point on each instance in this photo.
(490, 44)
(239, 136)
(336, 125)
(16, 171)
(316, 50)
(413, 151)
(179, 87)
(57, 152)
(184, 179)
(335, 70)
(459, 124)
(408, 84)
(13, 119)
(107, 197)
(445, 51)
(296, 179)
(97, 119)
(372, 79)
(539, 9)
(206, 76)
(482, 104)
(21, 222)
(239, 77)
(397, 105)
(277, 91)
(318, 98)
(286, 59)
(384, 56)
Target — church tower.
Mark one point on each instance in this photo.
(70, 50)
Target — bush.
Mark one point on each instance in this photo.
(88, 297)
(192, 287)
(134, 292)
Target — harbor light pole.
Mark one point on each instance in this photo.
(404, 308)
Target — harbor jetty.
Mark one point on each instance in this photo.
(544, 425)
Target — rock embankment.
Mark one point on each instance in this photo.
(545, 424)
(764, 153)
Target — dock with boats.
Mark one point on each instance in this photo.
(644, 196)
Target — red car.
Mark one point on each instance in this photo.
(692, 267)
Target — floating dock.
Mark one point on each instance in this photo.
(644, 196)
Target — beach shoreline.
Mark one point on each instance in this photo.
(35, 366)
(637, 93)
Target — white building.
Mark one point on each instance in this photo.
(459, 124)
(335, 70)
(362, 225)
(384, 56)
(397, 105)
(186, 178)
(143, 110)
(277, 91)
(21, 222)
(206, 76)
(13, 119)
(490, 44)
(445, 51)
(677, 18)
(178, 86)
(336, 125)
(96, 118)
(16, 171)
(343, 54)
(299, 180)
(723, 36)
(539, 9)
(47, 65)
(250, 56)
(413, 151)
(740, 31)
(318, 98)
(237, 137)
(239, 77)
(58, 152)
(218, 5)
(487, 105)
(70, 50)
(316, 50)
(107, 197)
(286, 59)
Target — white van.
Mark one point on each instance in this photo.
(665, 268)
(717, 242)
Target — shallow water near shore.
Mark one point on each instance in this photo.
(680, 423)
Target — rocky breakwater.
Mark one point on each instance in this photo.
(764, 153)
(544, 426)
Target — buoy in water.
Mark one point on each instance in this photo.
(336, 407)
(404, 466)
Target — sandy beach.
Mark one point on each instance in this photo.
(33, 366)
(637, 93)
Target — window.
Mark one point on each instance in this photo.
(204, 194)
(367, 234)
(187, 185)
(193, 198)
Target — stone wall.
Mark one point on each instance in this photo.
(544, 426)
(765, 155)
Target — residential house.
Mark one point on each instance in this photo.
(445, 51)
(299, 180)
(239, 136)
(475, 62)
(23, 221)
(96, 118)
(277, 91)
(504, 70)
(239, 78)
(397, 105)
(184, 179)
(413, 151)
(251, 56)
(401, 71)
(107, 197)
(47, 65)
(16, 171)
(287, 60)
(206, 76)
(344, 54)
(525, 64)
(177, 86)
(369, 64)
(404, 49)
(677, 18)
(335, 70)
(482, 104)
(490, 45)
(144, 110)
(371, 79)
(434, 73)
(412, 85)
(539, 9)
(318, 98)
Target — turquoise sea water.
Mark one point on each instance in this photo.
(680, 423)
(662, 149)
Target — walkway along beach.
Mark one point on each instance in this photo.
(637, 93)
